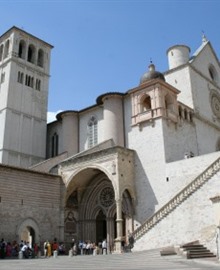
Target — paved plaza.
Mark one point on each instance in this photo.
(129, 261)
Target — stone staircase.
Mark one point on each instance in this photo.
(196, 250)
(179, 198)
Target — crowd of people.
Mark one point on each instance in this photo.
(88, 247)
(12, 249)
(25, 250)
(8, 249)
(50, 247)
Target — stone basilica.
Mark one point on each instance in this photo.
(145, 161)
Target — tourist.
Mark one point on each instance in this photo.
(104, 247)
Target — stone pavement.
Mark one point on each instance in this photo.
(145, 260)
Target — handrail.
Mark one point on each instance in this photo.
(178, 198)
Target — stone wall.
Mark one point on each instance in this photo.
(194, 219)
(29, 199)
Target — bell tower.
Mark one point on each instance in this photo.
(24, 83)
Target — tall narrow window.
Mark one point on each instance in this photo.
(32, 82)
(55, 145)
(1, 52)
(29, 81)
(92, 132)
(38, 84)
(180, 112)
(20, 77)
(6, 52)
(40, 58)
(26, 80)
(31, 54)
(21, 49)
(2, 77)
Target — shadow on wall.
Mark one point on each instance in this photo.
(146, 199)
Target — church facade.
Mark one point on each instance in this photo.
(145, 161)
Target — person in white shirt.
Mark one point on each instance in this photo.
(104, 247)
(24, 250)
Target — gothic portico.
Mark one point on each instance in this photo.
(100, 195)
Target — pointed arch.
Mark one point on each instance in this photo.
(40, 58)
(31, 54)
(22, 49)
(28, 224)
(146, 103)
(92, 131)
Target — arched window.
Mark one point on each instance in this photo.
(38, 84)
(29, 81)
(55, 145)
(92, 132)
(26, 80)
(6, 52)
(20, 77)
(32, 82)
(146, 104)
(40, 58)
(21, 49)
(31, 54)
(168, 103)
(213, 73)
(1, 52)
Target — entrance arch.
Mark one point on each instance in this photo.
(90, 178)
(91, 209)
(28, 231)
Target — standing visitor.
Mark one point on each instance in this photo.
(104, 247)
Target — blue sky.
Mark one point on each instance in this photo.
(106, 45)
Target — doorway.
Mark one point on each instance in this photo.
(28, 235)
(101, 228)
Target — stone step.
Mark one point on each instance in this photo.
(205, 255)
(196, 250)
(168, 251)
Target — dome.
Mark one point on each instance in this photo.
(151, 74)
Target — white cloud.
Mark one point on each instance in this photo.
(51, 116)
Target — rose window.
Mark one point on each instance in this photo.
(215, 103)
(107, 197)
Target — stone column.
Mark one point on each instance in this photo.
(108, 225)
(70, 132)
(119, 221)
(113, 124)
(111, 233)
